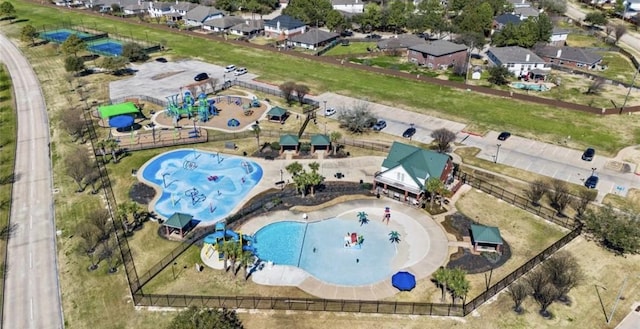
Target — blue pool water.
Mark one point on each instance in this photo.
(200, 183)
(59, 36)
(107, 46)
(529, 86)
(293, 243)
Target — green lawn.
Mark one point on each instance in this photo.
(479, 110)
(619, 67)
(352, 48)
(585, 40)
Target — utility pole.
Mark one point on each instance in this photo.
(497, 153)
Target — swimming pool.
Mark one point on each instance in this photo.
(529, 86)
(319, 248)
(203, 184)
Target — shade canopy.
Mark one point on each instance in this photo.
(121, 121)
(117, 109)
(233, 123)
(403, 281)
(178, 220)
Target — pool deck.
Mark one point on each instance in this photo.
(416, 254)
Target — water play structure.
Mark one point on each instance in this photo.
(353, 240)
(191, 107)
(213, 241)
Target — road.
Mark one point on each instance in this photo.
(31, 293)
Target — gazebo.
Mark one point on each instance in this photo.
(177, 222)
(289, 142)
(320, 142)
(486, 238)
(277, 114)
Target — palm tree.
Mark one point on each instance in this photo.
(224, 248)
(102, 145)
(246, 258)
(294, 168)
(394, 237)
(459, 284)
(257, 130)
(123, 214)
(334, 136)
(113, 147)
(442, 277)
(432, 186)
(300, 180)
(314, 166)
(313, 179)
(234, 252)
(362, 218)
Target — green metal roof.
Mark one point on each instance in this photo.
(320, 139)
(289, 140)
(416, 162)
(178, 220)
(117, 109)
(486, 234)
(276, 112)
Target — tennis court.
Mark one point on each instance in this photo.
(106, 47)
(59, 36)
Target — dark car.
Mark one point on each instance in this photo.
(373, 36)
(201, 77)
(381, 124)
(504, 136)
(346, 33)
(588, 154)
(409, 132)
(161, 60)
(591, 182)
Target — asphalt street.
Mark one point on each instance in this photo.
(32, 292)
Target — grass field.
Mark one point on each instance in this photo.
(532, 120)
(352, 48)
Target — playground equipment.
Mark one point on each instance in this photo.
(353, 240)
(204, 108)
(221, 234)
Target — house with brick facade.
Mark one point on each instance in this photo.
(312, 39)
(438, 54)
(570, 56)
(519, 61)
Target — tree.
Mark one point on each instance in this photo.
(559, 196)
(313, 179)
(92, 178)
(311, 12)
(557, 7)
(441, 277)
(7, 10)
(433, 185)
(499, 75)
(564, 273)
(114, 147)
(109, 253)
(77, 167)
(134, 52)
(618, 31)
(357, 119)
(458, 284)
(115, 8)
(443, 137)
(72, 45)
(473, 40)
(582, 201)
(195, 318)
(256, 130)
(371, 18)
(294, 168)
(301, 91)
(287, 89)
(99, 218)
(475, 18)
(335, 21)
(245, 259)
(74, 64)
(542, 290)
(518, 291)
(536, 191)
(596, 18)
(618, 231)
(73, 123)
(545, 296)
(334, 136)
(596, 86)
(114, 64)
(89, 235)
(28, 34)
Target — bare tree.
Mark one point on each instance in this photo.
(545, 297)
(618, 31)
(582, 201)
(518, 292)
(287, 89)
(77, 167)
(92, 178)
(357, 119)
(72, 122)
(536, 191)
(443, 137)
(109, 253)
(564, 273)
(596, 86)
(89, 235)
(100, 219)
(559, 196)
(542, 290)
(301, 92)
(212, 83)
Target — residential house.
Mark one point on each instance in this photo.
(312, 39)
(526, 12)
(558, 37)
(182, 7)
(406, 169)
(138, 8)
(348, 6)
(438, 54)
(401, 42)
(500, 21)
(200, 14)
(519, 3)
(248, 28)
(106, 5)
(159, 8)
(283, 27)
(519, 61)
(222, 24)
(570, 56)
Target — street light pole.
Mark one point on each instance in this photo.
(497, 153)
(624, 283)
(325, 109)
(173, 270)
(593, 171)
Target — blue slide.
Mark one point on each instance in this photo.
(213, 237)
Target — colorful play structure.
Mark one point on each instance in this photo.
(353, 240)
(221, 235)
(190, 107)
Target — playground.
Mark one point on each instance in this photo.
(227, 113)
(205, 185)
(211, 252)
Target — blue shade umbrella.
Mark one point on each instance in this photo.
(121, 121)
(233, 123)
(403, 281)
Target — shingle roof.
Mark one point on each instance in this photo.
(249, 26)
(184, 6)
(526, 12)
(346, 2)
(505, 19)
(224, 22)
(485, 234)
(319, 139)
(402, 41)
(289, 140)
(570, 54)
(178, 220)
(557, 30)
(286, 23)
(417, 162)
(439, 48)
(276, 112)
(514, 55)
(313, 37)
(200, 13)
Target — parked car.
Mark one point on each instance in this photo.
(591, 182)
(346, 33)
(504, 136)
(330, 111)
(201, 77)
(161, 60)
(240, 71)
(381, 124)
(229, 68)
(409, 132)
(373, 36)
(588, 154)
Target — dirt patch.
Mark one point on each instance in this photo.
(165, 75)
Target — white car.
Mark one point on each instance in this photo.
(240, 71)
(229, 68)
(330, 111)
